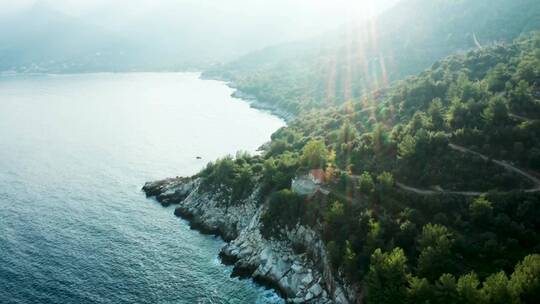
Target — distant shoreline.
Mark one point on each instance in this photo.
(252, 100)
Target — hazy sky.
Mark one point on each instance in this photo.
(312, 7)
(214, 30)
(288, 19)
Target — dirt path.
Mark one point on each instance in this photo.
(436, 192)
(522, 118)
(507, 166)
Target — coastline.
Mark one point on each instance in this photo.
(148, 252)
(299, 276)
(261, 105)
(251, 99)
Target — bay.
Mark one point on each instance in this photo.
(74, 153)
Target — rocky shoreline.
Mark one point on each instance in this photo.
(252, 100)
(260, 105)
(295, 265)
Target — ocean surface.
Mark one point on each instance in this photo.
(75, 151)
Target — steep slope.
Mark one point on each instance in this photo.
(423, 192)
(405, 40)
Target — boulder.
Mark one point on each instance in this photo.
(316, 290)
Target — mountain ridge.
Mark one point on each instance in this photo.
(404, 40)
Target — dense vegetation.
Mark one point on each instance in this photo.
(407, 39)
(402, 246)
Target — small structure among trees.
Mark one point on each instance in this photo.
(310, 183)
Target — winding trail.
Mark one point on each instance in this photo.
(504, 164)
(507, 166)
(436, 192)
(522, 118)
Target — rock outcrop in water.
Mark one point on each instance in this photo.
(296, 265)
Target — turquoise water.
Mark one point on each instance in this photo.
(74, 153)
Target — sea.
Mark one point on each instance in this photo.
(75, 151)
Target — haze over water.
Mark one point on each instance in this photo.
(74, 153)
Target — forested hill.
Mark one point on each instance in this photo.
(430, 188)
(405, 40)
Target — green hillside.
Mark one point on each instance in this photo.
(433, 181)
(407, 39)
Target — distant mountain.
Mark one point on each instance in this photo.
(43, 39)
(152, 35)
(404, 40)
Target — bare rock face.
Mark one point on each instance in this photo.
(170, 191)
(300, 277)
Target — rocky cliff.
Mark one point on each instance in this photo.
(296, 264)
